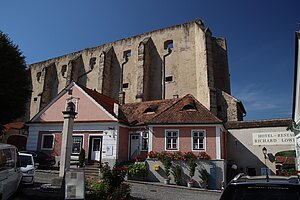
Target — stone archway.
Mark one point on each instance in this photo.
(18, 140)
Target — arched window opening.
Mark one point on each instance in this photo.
(168, 44)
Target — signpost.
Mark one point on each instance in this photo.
(296, 101)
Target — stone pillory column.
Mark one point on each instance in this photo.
(66, 143)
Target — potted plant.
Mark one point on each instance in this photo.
(205, 177)
(81, 158)
(166, 160)
(177, 174)
(190, 157)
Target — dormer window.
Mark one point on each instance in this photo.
(168, 44)
(189, 105)
(151, 109)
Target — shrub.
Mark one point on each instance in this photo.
(111, 186)
(166, 159)
(177, 174)
(138, 170)
(81, 158)
(203, 155)
(204, 176)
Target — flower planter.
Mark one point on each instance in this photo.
(167, 181)
(190, 184)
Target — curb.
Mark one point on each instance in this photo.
(174, 186)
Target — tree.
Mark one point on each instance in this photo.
(14, 81)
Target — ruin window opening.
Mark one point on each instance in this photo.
(35, 99)
(92, 63)
(38, 76)
(169, 79)
(127, 54)
(63, 70)
(168, 44)
(125, 85)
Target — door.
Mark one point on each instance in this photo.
(134, 145)
(96, 148)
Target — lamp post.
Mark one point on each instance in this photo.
(265, 151)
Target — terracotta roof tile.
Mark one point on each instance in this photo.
(258, 123)
(169, 111)
(14, 125)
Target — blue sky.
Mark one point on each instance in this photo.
(260, 37)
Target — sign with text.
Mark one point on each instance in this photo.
(279, 138)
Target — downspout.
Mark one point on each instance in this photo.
(121, 93)
(163, 73)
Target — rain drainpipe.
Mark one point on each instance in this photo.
(163, 73)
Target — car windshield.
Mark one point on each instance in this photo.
(25, 160)
(261, 193)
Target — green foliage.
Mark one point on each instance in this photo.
(111, 186)
(192, 167)
(289, 153)
(204, 176)
(138, 170)
(166, 159)
(14, 81)
(177, 174)
(81, 157)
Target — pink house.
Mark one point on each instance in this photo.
(112, 133)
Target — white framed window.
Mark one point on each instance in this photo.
(77, 144)
(172, 141)
(198, 139)
(145, 140)
(47, 142)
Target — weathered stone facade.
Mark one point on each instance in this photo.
(161, 64)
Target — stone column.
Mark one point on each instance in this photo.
(66, 143)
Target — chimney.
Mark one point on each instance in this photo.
(116, 109)
(121, 98)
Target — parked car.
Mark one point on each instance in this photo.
(262, 188)
(41, 159)
(10, 174)
(27, 168)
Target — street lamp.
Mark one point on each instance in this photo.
(265, 151)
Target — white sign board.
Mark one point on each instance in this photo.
(74, 185)
(279, 138)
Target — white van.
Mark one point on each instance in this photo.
(10, 174)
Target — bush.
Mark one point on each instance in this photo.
(138, 170)
(81, 158)
(111, 186)
(177, 174)
(166, 159)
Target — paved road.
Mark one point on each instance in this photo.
(140, 191)
(154, 192)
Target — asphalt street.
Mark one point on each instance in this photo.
(139, 191)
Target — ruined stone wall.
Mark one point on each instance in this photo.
(166, 63)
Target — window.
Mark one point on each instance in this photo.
(169, 78)
(38, 76)
(127, 54)
(198, 139)
(125, 85)
(35, 99)
(172, 140)
(77, 144)
(168, 44)
(47, 142)
(145, 141)
(63, 70)
(92, 63)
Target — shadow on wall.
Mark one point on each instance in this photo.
(152, 72)
(244, 160)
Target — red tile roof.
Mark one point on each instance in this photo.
(14, 125)
(258, 123)
(169, 111)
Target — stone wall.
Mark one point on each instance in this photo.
(215, 168)
(161, 64)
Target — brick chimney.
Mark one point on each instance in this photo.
(121, 98)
